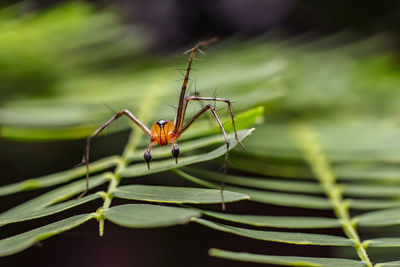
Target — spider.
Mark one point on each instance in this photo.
(164, 132)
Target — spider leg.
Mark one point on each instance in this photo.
(227, 101)
(179, 112)
(201, 104)
(97, 132)
(190, 122)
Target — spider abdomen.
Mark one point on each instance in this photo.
(162, 132)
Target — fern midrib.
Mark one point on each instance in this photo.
(310, 147)
(147, 104)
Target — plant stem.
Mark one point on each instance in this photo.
(147, 104)
(321, 168)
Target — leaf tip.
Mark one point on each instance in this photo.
(30, 184)
(213, 251)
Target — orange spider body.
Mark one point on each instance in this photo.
(162, 132)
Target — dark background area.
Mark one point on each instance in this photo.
(175, 24)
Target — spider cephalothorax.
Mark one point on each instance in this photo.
(164, 132)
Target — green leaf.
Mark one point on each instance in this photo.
(371, 190)
(283, 237)
(33, 214)
(379, 218)
(176, 194)
(284, 199)
(369, 204)
(383, 242)
(159, 166)
(260, 183)
(368, 172)
(33, 134)
(388, 264)
(254, 164)
(290, 222)
(149, 216)
(22, 241)
(58, 178)
(243, 120)
(54, 196)
(284, 260)
(298, 187)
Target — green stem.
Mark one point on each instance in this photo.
(148, 104)
(321, 168)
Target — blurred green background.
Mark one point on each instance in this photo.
(64, 68)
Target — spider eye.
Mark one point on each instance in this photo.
(175, 152)
(161, 123)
